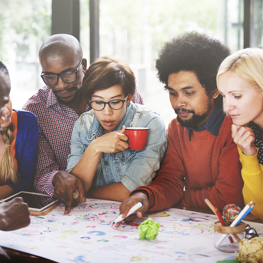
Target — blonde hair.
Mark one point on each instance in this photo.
(8, 171)
(246, 64)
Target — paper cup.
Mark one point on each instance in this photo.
(138, 137)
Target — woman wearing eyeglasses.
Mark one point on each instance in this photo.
(100, 155)
(18, 145)
(240, 81)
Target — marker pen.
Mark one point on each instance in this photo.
(131, 211)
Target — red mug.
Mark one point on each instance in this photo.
(138, 137)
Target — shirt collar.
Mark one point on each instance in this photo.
(129, 115)
(51, 99)
(213, 123)
(257, 130)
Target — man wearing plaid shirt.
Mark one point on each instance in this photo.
(57, 106)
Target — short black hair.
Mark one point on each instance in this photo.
(3, 68)
(106, 72)
(194, 52)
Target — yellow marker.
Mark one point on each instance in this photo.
(161, 214)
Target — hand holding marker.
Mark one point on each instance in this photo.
(131, 211)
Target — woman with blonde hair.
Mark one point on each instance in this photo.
(18, 145)
(240, 81)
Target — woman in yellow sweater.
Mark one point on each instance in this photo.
(240, 81)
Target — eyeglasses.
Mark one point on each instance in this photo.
(250, 232)
(115, 104)
(67, 76)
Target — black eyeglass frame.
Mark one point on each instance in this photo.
(59, 75)
(250, 232)
(108, 103)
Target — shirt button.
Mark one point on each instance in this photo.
(106, 163)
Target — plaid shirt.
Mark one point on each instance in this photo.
(56, 122)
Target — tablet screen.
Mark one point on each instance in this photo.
(35, 201)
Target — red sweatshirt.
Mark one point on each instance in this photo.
(207, 166)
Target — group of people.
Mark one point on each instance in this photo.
(71, 136)
(214, 148)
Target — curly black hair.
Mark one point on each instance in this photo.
(192, 52)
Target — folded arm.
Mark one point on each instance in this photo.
(166, 189)
(116, 192)
(252, 174)
(227, 188)
(86, 163)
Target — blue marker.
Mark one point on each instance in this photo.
(132, 210)
(246, 213)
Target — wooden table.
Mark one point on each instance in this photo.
(18, 257)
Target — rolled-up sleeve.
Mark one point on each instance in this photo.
(76, 147)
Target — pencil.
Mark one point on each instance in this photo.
(217, 213)
(210, 205)
(223, 223)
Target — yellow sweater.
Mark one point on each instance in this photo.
(252, 174)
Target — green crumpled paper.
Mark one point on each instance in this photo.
(148, 229)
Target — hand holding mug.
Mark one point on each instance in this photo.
(138, 137)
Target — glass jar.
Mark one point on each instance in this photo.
(227, 238)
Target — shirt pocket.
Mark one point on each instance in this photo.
(85, 142)
(99, 180)
(123, 157)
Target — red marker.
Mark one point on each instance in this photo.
(216, 211)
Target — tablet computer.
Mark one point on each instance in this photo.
(36, 201)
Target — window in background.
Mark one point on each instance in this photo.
(24, 26)
(84, 28)
(257, 24)
(233, 24)
(135, 30)
(132, 29)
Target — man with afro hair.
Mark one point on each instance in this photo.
(201, 159)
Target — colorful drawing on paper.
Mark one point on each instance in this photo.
(87, 235)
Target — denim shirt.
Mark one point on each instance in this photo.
(132, 168)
